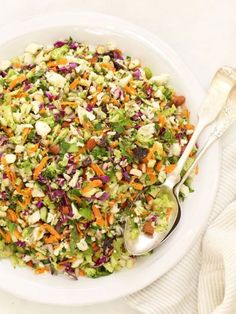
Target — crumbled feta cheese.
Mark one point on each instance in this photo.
(28, 59)
(19, 149)
(38, 233)
(138, 208)
(37, 192)
(75, 212)
(56, 79)
(35, 217)
(115, 209)
(155, 104)
(118, 175)
(10, 158)
(124, 81)
(160, 79)
(151, 163)
(77, 262)
(50, 218)
(35, 106)
(184, 190)
(162, 176)
(82, 245)
(42, 128)
(58, 249)
(175, 149)
(38, 96)
(66, 176)
(74, 179)
(189, 132)
(110, 45)
(183, 141)
(159, 94)
(4, 64)
(40, 57)
(84, 113)
(33, 48)
(147, 130)
(101, 49)
(134, 63)
(136, 172)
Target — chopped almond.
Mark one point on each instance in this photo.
(148, 228)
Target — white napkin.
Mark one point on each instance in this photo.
(204, 281)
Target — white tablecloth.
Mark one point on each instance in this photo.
(202, 32)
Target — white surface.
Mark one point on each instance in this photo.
(201, 32)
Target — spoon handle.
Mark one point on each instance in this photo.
(224, 121)
(221, 84)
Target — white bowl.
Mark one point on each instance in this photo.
(96, 28)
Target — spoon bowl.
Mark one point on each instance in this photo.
(145, 243)
(222, 93)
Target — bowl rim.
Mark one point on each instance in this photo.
(17, 29)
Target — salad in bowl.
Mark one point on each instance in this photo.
(83, 130)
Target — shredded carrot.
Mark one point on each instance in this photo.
(8, 237)
(185, 113)
(8, 131)
(91, 185)
(74, 84)
(108, 66)
(62, 61)
(25, 134)
(170, 168)
(137, 186)
(33, 149)
(97, 214)
(189, 126)
(168, 212)
(81, 273)
(161, 120)
(65, 210)
(17, 81)
(93, 60)
(42, 110)
(111, 219)
(17, 65)
(21, 94)
(51, 239)
(51, 64)
(78, 200)
(95, 247)
(51, 230)
(90, 144)
(114, 144)
(12, 216)
(26, 203)
(152, 175)
(97, 169)
(41, 270)
(148, 198)
(130, 90)
(158, 166)
(30, 264)
(17, 234)
(72, 104)
(40, 167)
(106, 99)
(126, 98)
(78, 229)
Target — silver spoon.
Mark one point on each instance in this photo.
(222, 83)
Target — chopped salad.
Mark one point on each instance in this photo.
(82, 131)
